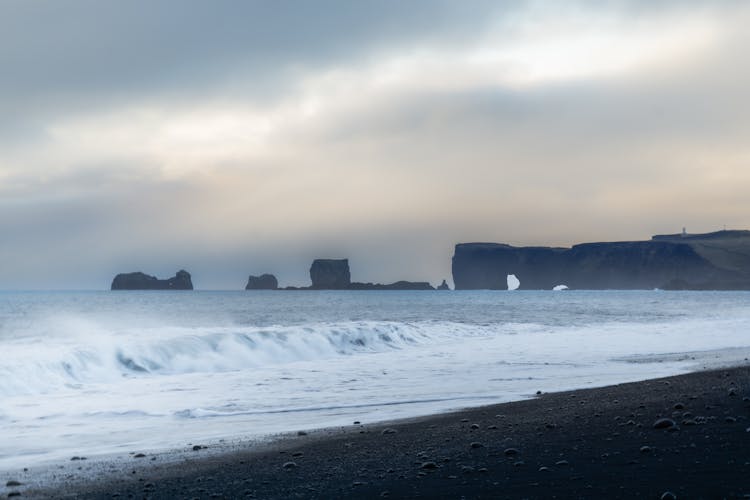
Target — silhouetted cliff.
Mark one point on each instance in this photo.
(262, 282)
(141, 281)
(718, 260)
(333, 274)
(330, 274)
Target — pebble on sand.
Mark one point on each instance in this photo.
(389, 431)
(668, 495)
(12, 483)
(664, 423)
(289, 465)
(511, 452)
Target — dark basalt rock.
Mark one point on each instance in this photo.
(334, 274)
(443, 286)
(399, 285)
(141, 281)
(262, 282)
(330, 274)
(712, 261)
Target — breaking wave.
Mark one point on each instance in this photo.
(101, 356)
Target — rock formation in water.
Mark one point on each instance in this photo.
(330, 274)
(712, 261)
(262, 282)
(141, 281)
(443, 286)
(333, 274)
(399, 285)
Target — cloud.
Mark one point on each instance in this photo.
(385, 133)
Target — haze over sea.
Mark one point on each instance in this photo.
(91, 373)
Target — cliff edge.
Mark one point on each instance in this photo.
(711, 261)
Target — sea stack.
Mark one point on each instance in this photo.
(262, 282)
(141, 281)
(330, 274)
(443, 286)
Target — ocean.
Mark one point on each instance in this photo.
(101, 373)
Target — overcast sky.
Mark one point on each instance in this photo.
(239, 137)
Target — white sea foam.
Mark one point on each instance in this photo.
(134, 372)
(513, 282)
(102, 355)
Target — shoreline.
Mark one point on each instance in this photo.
(583, 443)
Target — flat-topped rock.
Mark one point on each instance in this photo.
(330, 274)
(262, 282)
(142, 281)
(711, 261)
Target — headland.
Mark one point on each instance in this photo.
(710, 261)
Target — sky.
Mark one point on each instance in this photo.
(231, 138)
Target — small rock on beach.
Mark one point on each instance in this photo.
(664, 423)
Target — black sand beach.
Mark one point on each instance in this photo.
(595, 443)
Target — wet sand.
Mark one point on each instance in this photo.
(592, 443)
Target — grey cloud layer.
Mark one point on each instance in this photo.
(391, 179)
(92, 49)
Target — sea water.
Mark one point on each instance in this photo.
(93, 373)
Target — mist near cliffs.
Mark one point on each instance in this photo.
(237, 139)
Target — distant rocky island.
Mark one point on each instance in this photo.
(325, 274)
(141, 281)
(710, 261)
(334, 274)
(262, 282)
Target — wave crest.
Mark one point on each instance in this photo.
(106, 356)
